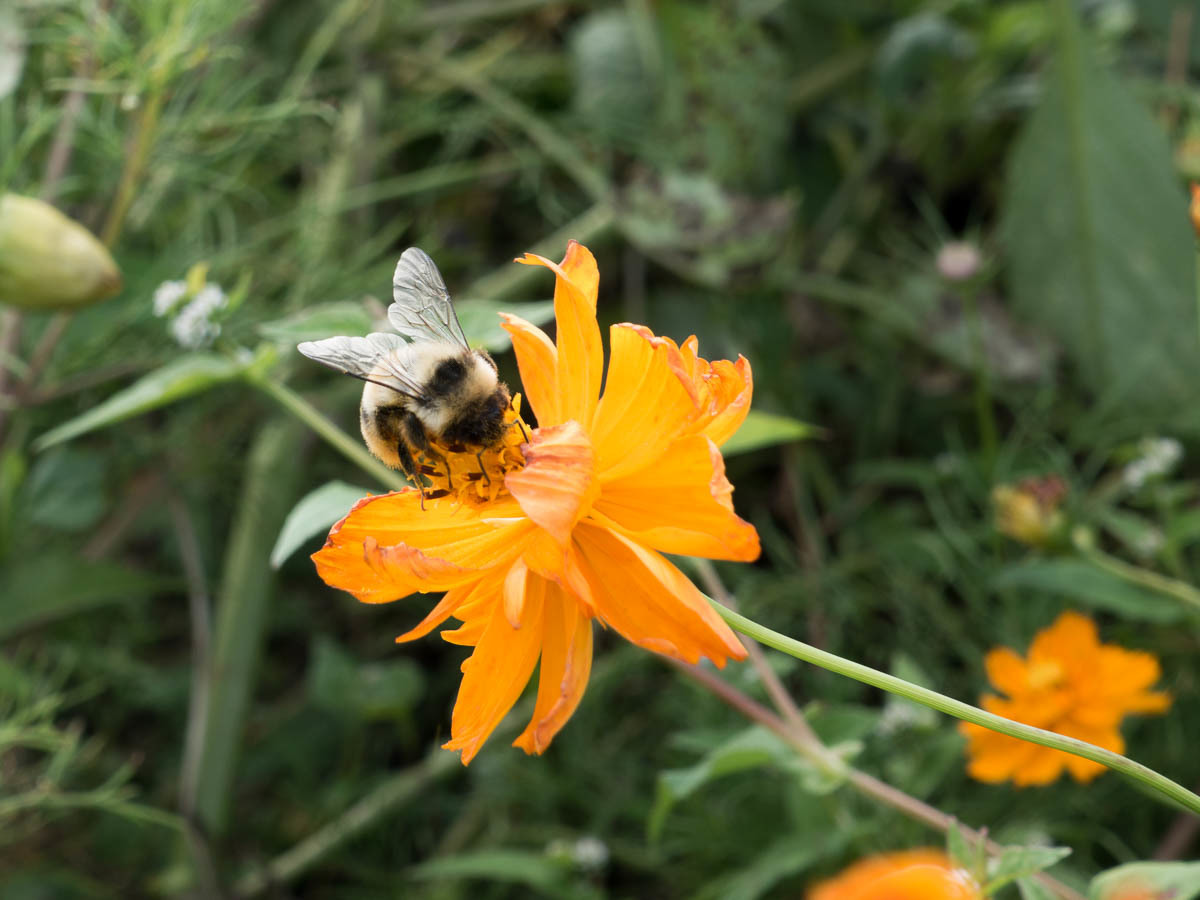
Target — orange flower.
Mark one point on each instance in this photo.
(905, 875)
(1194, 209)
(1071, 684)
(609, 484)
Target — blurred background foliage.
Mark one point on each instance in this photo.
(952, 235)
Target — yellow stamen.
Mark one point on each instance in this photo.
(477, 477)
(1045, 674)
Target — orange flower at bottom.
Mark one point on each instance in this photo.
(607, 485)
(905, 875)
(1070, 684)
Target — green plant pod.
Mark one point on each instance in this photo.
(48, 261)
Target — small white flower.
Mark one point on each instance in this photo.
(191, 323)
(167, 295)
(209, 299)
(1157, 456)
(590, 853)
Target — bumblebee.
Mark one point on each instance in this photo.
(425, 386)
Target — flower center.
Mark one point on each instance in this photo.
(1045, 674)
(472, 474)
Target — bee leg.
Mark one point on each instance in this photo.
(521, 425)
(438, 457)
(409, 467)
(482, 468)
(418, 438)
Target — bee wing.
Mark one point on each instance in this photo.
(380, 358)
(421, 308)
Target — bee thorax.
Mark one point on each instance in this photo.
(463, 401)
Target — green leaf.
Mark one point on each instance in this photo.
(244, 596)
(13, 468)
(837, 723)
(749, 749)
(766, 430)
(481, 321)
(1034, 890)
(315, 513)
(507, 866)
(958, 847)
(373, 691)
(1018, 862)
(67, 490)
(49, 586)
(1101, 252)
(318, 322)
(1137, 534)
(188, 375)
(821, 779)
(1176, 880)
(615, 90)
(1089, 586)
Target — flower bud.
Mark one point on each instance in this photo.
(48, 261)
(959, 261)
(1029, 510)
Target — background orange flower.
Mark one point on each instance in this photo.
(923, 874)
(1071, 684)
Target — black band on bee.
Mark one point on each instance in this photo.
(447, 380)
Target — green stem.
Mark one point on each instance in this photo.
(135, 163)
(1162, 584)
(359, 818)
(350, 448)
(1155, 783)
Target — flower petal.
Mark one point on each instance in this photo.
(726, 389)
(387, 547)
(495, 674)
(580, 355)
(564, 669)
(1007, 671)
(558, 484)
(440, 613)
(649, 601)
(648, 401)
(537, 360)
(1124, 672)
(1043, 766)
(513, 594)
(859, 880)
(1084, 770)
(1072, 637)
(680, 503)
